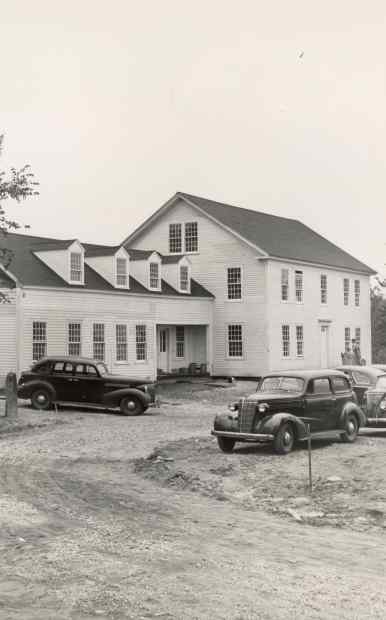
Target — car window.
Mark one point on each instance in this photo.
(361, 377)
(102, 369)
(58, 367)
(68, 367)
(319, 386)
(281, 384)
(381, 383)
(79, 369)
(91, 370)
(340, 384)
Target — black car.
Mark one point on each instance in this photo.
(362, 379)
(83, 381)
(286, 404)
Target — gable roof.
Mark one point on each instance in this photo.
(277, 237)
(91, 249)
(54, 244)
(30, 270)
(139, 254)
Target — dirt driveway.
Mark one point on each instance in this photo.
(96, 524)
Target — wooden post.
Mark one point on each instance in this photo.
(11, 395)
(309, 457)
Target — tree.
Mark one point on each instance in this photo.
(378, 324)
(14, 185)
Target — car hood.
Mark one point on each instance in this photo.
(259, 397)
(126, 381)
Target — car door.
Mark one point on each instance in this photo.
(90, 384)
(343, 394)
(361, 383)
(320, 405)
(62, 380)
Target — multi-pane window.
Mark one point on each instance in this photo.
(99, 341)
(346, 291)
(284, 284)
(154, 275)
(76, 267)
(39, 340)
(285, 340)
(235, 341)
(191, 237)
(358, 336)
(140, 342)
(347, 339)
(121, 267)
(299, 286)
(175, 238)
(184, 278)
(323, 288)
(74, 339)
(357, 291)
(121, 342)
(299, 341)
(180, 341)
(234, 283)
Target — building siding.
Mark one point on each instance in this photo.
(8, 360)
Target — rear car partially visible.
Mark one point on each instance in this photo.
(374, 403)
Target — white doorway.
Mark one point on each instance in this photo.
(163, 349)
(324, 345)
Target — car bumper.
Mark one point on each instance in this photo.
(380, 422)
(243, 436)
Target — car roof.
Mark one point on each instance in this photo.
(370, 370)
(67, 358)
(306, 374)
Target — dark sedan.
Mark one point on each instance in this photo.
(83, 381)
(288, 406)
(362, 379)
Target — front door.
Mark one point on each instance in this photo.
(163, 349)
(324, 342)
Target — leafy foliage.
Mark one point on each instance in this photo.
(14, 185)
(378, 324)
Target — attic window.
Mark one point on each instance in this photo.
(184, 278)
(154, 275)
(76, 274)
(175, 238)
(191, 237)
(121, 267)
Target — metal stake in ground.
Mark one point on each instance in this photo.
(309, 457)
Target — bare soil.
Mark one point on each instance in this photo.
(103, 516)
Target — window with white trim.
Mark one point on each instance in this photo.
(121, 272)
(285, 340)
(180, 341)
(358, 336)
(323, 288)
(74, 339)
(357, 291)
(76, 272)
(191, 237)
(346, 291)
(347, 339)
(98, 337)
(299, 341)
(121, 342)
(184, 278)
(234, 282)
(284, 284)
(299, 286)
(175, 238)
(140, 342)
(235, 340)
(154, 275)
(39, 340)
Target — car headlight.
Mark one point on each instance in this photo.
(262, 408)
(382, 405)
(233, 407)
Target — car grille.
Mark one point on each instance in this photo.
(247, 411)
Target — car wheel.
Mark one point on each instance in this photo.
(351, 429)
(226, 444)
(41, 399)
(131, 405)
(284, 439)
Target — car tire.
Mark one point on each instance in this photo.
(41, 399)
(131, 405)
(226, 444)
(284, 439)
(351, 429)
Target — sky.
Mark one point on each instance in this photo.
(274, 106)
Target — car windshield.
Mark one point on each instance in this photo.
(102, 369)
(381, 383)
(282, 384)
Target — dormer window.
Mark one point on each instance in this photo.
(121, 272)
(154, 275)
(184, 278)
(76, 268)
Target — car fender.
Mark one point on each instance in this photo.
(351, 408)
(271, 424)
(115, 397)
(27, 389)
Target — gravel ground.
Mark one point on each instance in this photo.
(92, 527)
